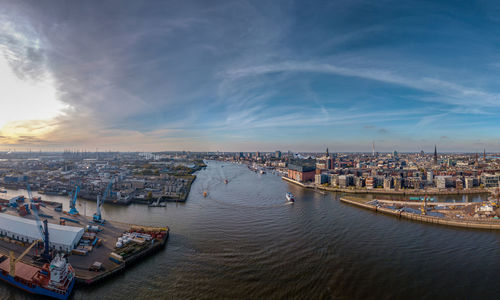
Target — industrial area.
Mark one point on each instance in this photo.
(46, 250)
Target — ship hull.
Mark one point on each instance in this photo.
(36, 289)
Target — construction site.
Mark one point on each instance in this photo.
(480, 215)
(33, 231)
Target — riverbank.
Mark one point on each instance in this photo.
(429, 192)
(465, 223)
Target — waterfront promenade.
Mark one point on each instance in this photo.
(405, 192)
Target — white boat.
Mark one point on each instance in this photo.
(290, 197)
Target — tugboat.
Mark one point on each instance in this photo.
(54, 280)
(290, 197)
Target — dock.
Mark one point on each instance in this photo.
(111, 230)
(464, 223)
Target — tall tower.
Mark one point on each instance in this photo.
(373, 148)
(327, 154)
(435, 155)
(484, 154)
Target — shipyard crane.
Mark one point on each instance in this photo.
(72, 203)
(97, 216)
(14, 261)
(43, 229)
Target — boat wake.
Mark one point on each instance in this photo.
(239, 205)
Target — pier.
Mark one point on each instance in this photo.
(108, 237)
(464, 223)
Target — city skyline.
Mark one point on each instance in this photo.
(241, 76)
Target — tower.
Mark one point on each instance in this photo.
(373, 148)
(484, 154)
(435, 155)
(327, 154)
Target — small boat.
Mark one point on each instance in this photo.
(205, 194)
(262, 172)
(290, 197)
(226, 181)
(2, 190)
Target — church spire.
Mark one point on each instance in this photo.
(435, 155)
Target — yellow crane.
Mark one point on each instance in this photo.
(423, 209)
(14, 261)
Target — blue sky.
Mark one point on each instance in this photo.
(255, 75)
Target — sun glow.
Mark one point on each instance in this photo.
(26, 104)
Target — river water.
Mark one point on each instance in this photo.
(244, 241)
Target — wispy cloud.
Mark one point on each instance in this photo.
(451, 93)
(174, 75)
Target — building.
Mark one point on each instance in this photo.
(326, 162)
(371, 182)
(321, 178)
(334, 180)
(388, 183)
(398, 183)
(489, 180)
(62, 238)
(430, 177)
(301, 173)
(469, 182)
(359, 182)
(443, 182)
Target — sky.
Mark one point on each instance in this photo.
(250, 75)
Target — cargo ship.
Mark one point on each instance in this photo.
(54, 280)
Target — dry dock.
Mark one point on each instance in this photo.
(111, 230)
(465, 223)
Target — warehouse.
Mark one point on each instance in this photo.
(62, 238)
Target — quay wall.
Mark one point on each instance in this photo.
(127, 263)
(427, 219)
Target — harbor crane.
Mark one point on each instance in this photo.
(97, 216)
(43, 229)
(14, 261)
(72, 203)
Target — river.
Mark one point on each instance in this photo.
(244, 241)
